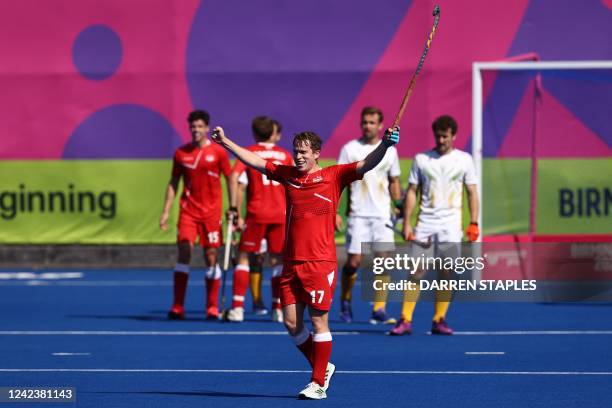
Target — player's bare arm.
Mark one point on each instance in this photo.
(240, 194)
(473, 230)
(409, 204)
(170, 194)
(247, 157)
(233, 182)
(473, 203)
(339, 219)
(390, 138)
(395, 191)
(231, 193)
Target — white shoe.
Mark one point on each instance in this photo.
(235, 315)
(312, 391)
(329, 373)
(277, 315)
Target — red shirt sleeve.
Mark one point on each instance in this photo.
(288, 159)
(278, 172)
(224, 163)
(239, 167)
(177, 169)
(346, 174)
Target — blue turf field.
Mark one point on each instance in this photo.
(555, 355)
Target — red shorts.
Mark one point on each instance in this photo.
(209, 231)
(309, 282)
(254, 233)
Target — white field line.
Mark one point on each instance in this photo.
(150, 333)
(39, 282)
(485, 353)
(70, 354)
(532, 332)
(275, 333)
(354, 372)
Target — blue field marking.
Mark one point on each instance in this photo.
(119, 350)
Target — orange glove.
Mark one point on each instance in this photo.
(472, 231)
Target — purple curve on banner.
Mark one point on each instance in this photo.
(300, 62)
(97, 52)
(123, 132)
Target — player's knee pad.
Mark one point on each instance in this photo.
(181, 267)
(277, 270)
(255, 263)
(349, 270)
(213, 272)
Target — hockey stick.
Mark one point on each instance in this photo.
(226, 259)
(422, 244)
(400, 113)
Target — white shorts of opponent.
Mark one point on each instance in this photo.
(369, 230)
(437, 241)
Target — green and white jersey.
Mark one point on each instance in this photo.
(441, 179)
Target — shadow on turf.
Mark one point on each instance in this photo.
(203, 393)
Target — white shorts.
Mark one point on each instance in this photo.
(439, 241)
(369, 229)
(436, 233)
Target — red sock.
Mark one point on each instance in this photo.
(212, 293)
(181, 276)
(303, 342)
(322, 347)
(180, 287)
(276, 303)
(241, 284)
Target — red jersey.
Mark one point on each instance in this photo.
(265, 198)
(201, 170)
(312, 201)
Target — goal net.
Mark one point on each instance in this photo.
(542, 143)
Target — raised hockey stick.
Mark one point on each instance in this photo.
(400, 113)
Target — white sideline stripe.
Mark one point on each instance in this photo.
(529, 332)
(35, 282)
(71, 354)
(150, 333)
(485, 353)
(42, 276)
(266, 333)
(357, 372)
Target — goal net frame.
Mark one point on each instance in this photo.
(478, 111)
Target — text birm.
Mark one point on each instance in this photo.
(585, 202)
(68, 200)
